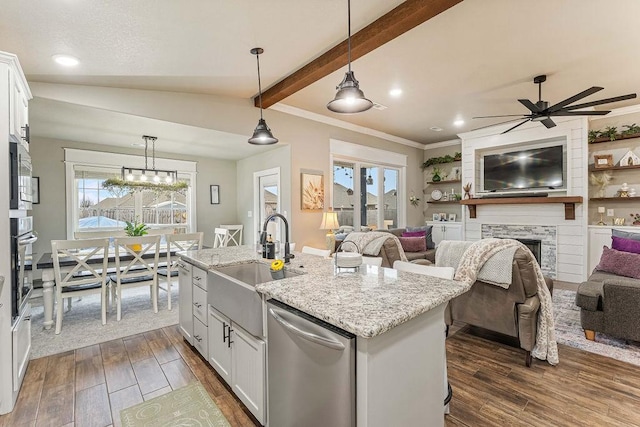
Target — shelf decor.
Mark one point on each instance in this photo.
(457, 156)
(601, 180)
(630, 159)
(601, 161)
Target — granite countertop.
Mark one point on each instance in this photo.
(367, 303)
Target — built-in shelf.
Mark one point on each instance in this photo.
(448, 181)
(613, 168)
(619, 137)
(444, 202)
(569, 203)
(615, 199)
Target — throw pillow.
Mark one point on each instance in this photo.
(625, 234)
(621, 263)
(413, 244)
(625, 245)
(415, 234)
(428, 229)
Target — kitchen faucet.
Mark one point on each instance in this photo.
(263, 235)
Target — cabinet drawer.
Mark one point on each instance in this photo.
(200, 304)
(200, 338)
(199, 278)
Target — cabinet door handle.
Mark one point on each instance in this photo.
(197, 338)
(229, 337)
(196, 278)
(224, 331)
(26, 133)
(197, 304)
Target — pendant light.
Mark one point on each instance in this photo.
(349, 98)
(262, 134)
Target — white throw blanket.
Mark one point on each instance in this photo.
(478, 253)
(370, 243)
(496, 271)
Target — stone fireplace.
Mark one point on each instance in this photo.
(529, 235)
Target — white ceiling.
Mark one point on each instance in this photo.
(476, 58)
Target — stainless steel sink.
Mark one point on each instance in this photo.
(231, 290)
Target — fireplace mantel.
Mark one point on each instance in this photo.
(569, 203)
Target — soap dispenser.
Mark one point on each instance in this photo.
(271, 248)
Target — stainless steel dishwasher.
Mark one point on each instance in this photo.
(311, 370)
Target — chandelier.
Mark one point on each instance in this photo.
(146, 174)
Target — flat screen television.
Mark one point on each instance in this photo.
(527, 169)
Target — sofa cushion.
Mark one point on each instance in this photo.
(589, 295)
(621, 263)
(413, 244)
(428, 229)
(625, 245)
(414, 234)
(625, 234)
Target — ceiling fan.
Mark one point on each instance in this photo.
(542, 112)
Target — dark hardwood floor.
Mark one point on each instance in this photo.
(491, 385)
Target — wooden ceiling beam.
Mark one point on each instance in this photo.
(403, 18)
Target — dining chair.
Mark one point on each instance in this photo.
(220, 237)
(235, 233)
(176, 243)
(136, 265)
(77, 277)
(315, 251)
(443, 273)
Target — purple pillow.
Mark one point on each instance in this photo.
(621, 263)
(625, 245)
(414, 234)
(413, 244)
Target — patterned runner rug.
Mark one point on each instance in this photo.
(569, 332)
(187, 406)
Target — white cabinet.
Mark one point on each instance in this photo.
(219, 345)
(446, 231)
(239, 358)
(248, 371)
(21, 335)
(18, 110)
(185, 301)
(201, 338)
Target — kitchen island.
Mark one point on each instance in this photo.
(397, 318)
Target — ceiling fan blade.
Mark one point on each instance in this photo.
(602, 101)
(530, 105)
(502, 115)
(548, 123)
(574, 98)
(579, 113)
(519, 124)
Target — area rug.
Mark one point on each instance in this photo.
(82, 326)
(569, 332)
(187, 406)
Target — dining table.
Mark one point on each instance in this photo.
(45, 265)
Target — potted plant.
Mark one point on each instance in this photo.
(436, 174)
(134, 229)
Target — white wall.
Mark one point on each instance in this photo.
(572, 234)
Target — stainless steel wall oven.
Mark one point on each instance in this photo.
(22, 239)
(20, 177)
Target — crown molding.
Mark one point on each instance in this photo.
(13, 62)
(619, 112)
(443, 144)
(294, 111)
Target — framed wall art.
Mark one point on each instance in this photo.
(35, 190)
(311, 190)
(215, 194)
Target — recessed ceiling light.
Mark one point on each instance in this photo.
(395, 92)
(436, 129)
(66, 60)
(458, 123)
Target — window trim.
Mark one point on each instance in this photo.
(75, 157)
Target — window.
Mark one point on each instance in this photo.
(366, 191)
(92, 207)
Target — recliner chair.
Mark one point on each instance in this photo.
(512, 312)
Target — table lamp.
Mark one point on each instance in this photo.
(330, 223)
(601, 212)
